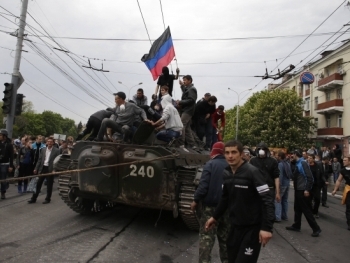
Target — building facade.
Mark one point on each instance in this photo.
(327, 100)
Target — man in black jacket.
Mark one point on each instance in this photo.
(318, 176)
(187, 106)
(209, 192)
(6, 159)
(251, 207)
(94, 123)
(269, 167)
(303, 181)
(202, 113)
(326, 169)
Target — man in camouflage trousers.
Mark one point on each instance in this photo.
(209, 192)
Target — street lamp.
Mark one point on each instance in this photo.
(238, 107)
(129, 88)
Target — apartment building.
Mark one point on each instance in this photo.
(328, 98)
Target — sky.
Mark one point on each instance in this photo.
(221, 44)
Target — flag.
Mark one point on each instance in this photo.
(160, 55)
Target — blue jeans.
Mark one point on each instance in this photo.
(335, 176)
(281, 209)
(3, 175)
(167, 135)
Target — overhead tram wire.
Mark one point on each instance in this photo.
(71, 93)
(318, 52)
(190, 39)
(65, 73)
(144, 22)
(50, 98)
(309, 35)
(299, 44)
(322, 49)
(33, 31)
(63, 48)
(190, 63)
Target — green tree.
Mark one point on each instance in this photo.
(274, 117)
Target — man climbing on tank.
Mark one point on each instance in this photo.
(94, 123)
(123, 118)
(172, 121)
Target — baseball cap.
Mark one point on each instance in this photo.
(218, 149)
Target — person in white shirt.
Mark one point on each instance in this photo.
(172, 121)
(45, 165)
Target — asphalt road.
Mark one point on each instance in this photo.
(54, 233)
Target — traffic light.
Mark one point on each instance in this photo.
(19, 103)
(8, 93)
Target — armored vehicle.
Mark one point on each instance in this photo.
(145, 173)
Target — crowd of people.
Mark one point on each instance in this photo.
(193, 123)
(26, 156)
(241, 215)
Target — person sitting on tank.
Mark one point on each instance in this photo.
(124, 114)
(94, 123)
(172, 121)
(139, 98)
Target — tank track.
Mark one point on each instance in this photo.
(187, 189)
(66, 185)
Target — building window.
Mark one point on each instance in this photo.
(328, 121)
(306, 86)
(316, 103)
(316, 122)
(307, 104)
(328, 95)
(339, 93)
(340, 120)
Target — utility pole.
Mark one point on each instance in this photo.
(16, 74)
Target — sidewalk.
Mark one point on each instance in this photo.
(330, 188)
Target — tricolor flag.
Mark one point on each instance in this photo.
(160, 55)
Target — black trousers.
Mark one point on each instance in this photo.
(93, 125)
(24, 170)
(39, 184)
(347, 211)
(302, 205)
(324, 193)
(316, 197)
(243, 244)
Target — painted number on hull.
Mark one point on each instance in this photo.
(143, 170)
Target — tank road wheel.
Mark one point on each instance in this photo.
(68, 188)
(185, 199)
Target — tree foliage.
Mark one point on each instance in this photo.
(275, 117)
(45, 123)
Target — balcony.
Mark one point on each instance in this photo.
(330, 107)
(330, 82)
(334, 132)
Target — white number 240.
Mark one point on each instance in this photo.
(148, 170)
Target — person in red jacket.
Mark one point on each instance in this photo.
(218, 132)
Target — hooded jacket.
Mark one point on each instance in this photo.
(267, 165)
(247, 197)
(100, 115)
(170, 114)
(209, 190)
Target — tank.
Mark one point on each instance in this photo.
(149, 173)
